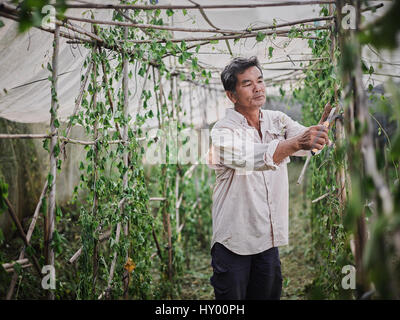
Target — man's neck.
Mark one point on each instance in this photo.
(252, 115)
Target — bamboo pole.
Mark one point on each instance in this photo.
(192, 7)
(340, 132)
(77, 254)
(95, 177)
(22, 235)
(157, 199)
(8, 266)
(202, 12)
(235, 36)
(25, 136)
(143, 88)
(303, 170)
(112, 268)
(105, 81)
(294, 60)
(182, 29)
(321, 197)
(167, 229)
(62, 34)
(62, 138)
(13, 282)
(167, 235)
(177, 200)
(50, 218)
(125, 86)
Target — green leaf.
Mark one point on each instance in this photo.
(49, 67)
(169, 12)
(46, 144)
(50, 179)
(371, 70)
(24, 25)
(270, 50)
(1, 24)
(3, 195)
(169, 45)
(141, 72)
(395, 152)
(260, 36)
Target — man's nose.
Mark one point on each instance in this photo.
(259, 87)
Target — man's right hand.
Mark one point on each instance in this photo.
(315, 137)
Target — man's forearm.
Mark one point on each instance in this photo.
(285, 148)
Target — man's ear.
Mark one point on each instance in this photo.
(232, 96)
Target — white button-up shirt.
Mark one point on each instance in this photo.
(251, 194)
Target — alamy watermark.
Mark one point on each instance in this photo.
(349, 20)
(49, 20)
(49, 280)
(349, 280)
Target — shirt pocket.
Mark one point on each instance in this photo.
(281, 136)
(276, 134)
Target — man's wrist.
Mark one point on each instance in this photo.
(295, 144)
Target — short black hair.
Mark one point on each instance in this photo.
(236, 66)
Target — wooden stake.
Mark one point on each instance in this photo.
(339, 132)
(50, 218)
(95, 258)
(14, 279)
(125, 85)
(22, 235)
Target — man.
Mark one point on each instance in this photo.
(249, 152)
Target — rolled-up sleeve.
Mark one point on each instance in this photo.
(237, 150)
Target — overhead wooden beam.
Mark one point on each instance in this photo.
(194, 7)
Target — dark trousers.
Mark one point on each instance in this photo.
(251, 277)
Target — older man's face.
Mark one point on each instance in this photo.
(250, 89)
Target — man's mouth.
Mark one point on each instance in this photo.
(258, 97)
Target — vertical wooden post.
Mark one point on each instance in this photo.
(166, 213)
(125, 84)
(95, 178)
(50, 218)
(177, 179)
(353, 87)
(360, 104)
(191, 102)
(339, 133)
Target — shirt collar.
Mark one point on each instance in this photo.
(232, 114)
